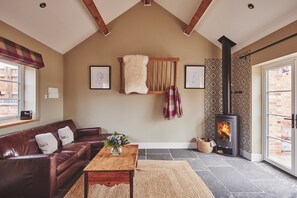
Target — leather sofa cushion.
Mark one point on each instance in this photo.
(71, 171)
(96, 141)
(79, 148)
(31, 147)
(58, 125)
(64, 159)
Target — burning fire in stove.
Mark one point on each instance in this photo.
(224, 132)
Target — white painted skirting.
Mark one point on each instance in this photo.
(254, 157)
(170, 145)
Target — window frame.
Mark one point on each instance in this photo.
(20, 83)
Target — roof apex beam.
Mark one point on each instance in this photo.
(97, 16)
(147, 2)
(197, 16)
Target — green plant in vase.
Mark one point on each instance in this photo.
(116, 141)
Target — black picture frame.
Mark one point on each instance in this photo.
(194, 76)
(100, 77)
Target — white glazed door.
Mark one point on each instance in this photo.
(279, 115)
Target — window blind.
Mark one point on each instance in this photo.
(19, 54)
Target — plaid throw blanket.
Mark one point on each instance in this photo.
(172, 103)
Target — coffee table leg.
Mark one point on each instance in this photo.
(131, 184)
(86, 188)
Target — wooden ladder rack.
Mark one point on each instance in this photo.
(161, 73)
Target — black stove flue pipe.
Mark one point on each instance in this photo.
(227, 44)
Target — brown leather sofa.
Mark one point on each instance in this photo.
(26, 172)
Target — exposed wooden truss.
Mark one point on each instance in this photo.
(97, 16)
(147, 2)
(197, 16)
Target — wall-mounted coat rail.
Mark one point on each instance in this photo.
(161, 73)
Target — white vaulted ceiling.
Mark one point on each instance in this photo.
(61, 25)
(65, 23)
(244, 26)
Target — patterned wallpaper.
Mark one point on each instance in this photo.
(241, 102)
(213, 101)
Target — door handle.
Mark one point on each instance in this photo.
(293, 120)
(296, 120)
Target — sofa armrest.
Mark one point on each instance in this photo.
(89, 131)
(28, 176)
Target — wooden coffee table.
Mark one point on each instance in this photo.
(109, 170)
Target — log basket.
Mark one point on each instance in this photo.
(204, 145)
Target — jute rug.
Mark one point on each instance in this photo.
(153, 179)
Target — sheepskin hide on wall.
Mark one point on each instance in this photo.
(135, 73)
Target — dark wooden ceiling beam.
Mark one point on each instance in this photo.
(97, 16)
(147, 2)
(197, 16)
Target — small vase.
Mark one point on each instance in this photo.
(116, 150)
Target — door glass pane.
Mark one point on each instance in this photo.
(280, 103)
(280, 152)
(279, 78)
(279, 127)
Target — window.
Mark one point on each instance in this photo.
(17, 90)
(18, 81)
(10, 90)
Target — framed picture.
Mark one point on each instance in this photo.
(100, 77)
(194, 76)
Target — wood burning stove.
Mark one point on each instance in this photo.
(226, 135)
(226, 124)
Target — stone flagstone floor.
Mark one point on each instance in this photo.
(226, 177)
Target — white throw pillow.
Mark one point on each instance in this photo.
(135, 73)
(66, 135)
(47, 143)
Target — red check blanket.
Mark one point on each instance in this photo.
(172, 103)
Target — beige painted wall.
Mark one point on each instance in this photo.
(141, 30)
(51, 75)
(287, 47)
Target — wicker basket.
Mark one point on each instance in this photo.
(203, 146)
